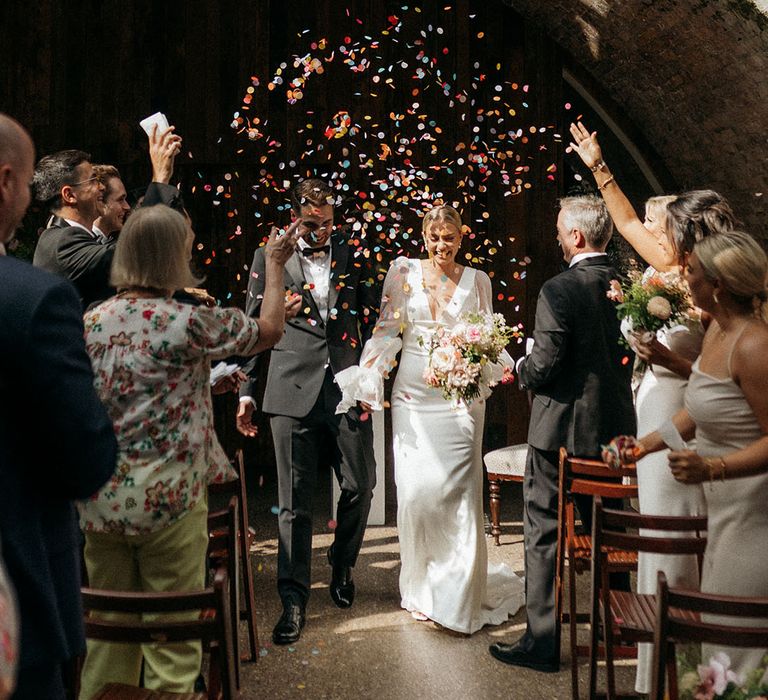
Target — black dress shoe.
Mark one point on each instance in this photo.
(516, 655)
(289, 626)
(342, 586)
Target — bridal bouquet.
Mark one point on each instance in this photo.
(717, 681)
(648, 304)
(463, 359)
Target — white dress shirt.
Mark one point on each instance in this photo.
(317, 273)
(583, 256)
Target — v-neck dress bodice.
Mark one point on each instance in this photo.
(444, 572)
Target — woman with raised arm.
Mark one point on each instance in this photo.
(444, 575)
(672, 225)
(146, 529)
(726, 409)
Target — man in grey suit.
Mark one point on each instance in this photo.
(339, 301)
(580, 376)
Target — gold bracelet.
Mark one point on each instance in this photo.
(606, 183)
(597, 166)
(711, 469)
(722, 469)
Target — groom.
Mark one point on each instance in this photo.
(580, 377)
(339, 302)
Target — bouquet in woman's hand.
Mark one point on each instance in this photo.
(649, 304)
(463, 360)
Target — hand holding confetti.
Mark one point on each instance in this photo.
(622, 450)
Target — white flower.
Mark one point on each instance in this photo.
(443, 359)
(659, 307)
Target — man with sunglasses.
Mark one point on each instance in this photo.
(67, 182)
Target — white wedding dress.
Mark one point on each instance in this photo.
(438, 469)
(659, 397)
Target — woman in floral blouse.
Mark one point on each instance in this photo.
(146, 529)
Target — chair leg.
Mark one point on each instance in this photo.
(608, 642)
(494, 490)
(573, 630)
(249, 608)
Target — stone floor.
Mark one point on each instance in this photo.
(375, 649)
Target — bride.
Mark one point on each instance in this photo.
(445, 576)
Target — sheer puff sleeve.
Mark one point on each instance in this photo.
(493, 372)
(365, 382)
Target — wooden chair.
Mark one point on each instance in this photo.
(211, 625)
(587, 477)
(223, 535)
(247, 611)
(505, 464)
(629, 617)
(678, 619)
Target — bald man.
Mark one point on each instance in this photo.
(56, 440)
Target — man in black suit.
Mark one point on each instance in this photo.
(338, 310)
(67, 183)
(56, 440)
(580, 376)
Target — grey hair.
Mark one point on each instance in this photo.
(590, 215)
(54, 172)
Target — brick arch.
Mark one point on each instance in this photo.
(691, 75)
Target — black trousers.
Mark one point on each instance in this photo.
(540, 493)
(302, 446)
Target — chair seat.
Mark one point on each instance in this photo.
(119, 691)
(580, 551)
(507, 462)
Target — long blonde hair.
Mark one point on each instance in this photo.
(740, 264)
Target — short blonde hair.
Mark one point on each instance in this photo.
(441, 215)
(152, 251)
(739, 263)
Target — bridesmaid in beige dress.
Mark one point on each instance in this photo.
(726, 408)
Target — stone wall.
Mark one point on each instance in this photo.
(690, 74)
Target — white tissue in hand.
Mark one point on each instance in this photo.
(222, 370)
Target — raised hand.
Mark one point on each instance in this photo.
(281, 244)
(586, 145)
(164, 146)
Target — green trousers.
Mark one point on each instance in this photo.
(172, 559)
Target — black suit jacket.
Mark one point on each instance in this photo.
(297, 362)
(81, 257)
(578, 371)
(56, 444)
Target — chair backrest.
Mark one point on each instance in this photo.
(621, 530)
(206, 626)
(678, 619)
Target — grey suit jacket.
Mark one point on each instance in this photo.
(578, 371)
(297, 363)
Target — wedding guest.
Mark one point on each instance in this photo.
(146, 530)
(339, 301)
(67, 183)
(580, 376)
(444, 574)
(116, 208)
(56, 441)
(668, 356)
(726, 409)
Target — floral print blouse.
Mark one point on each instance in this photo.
(151, 360)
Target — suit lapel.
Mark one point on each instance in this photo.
(340, 255)
(294, 269)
